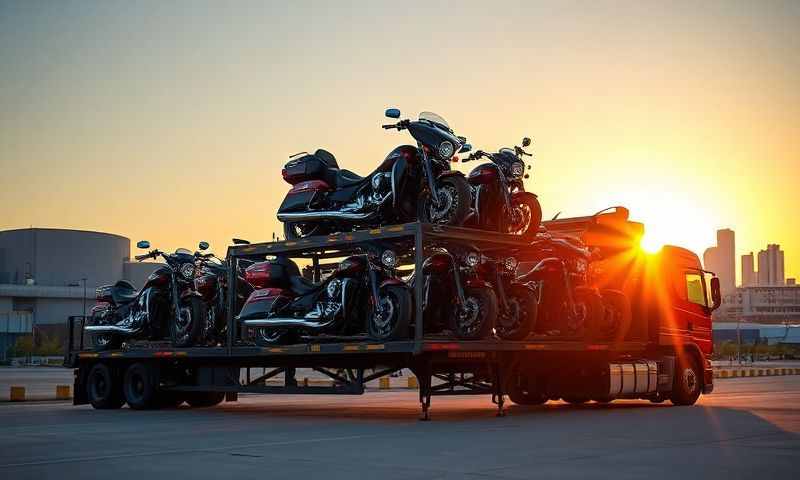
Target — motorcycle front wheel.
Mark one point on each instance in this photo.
(454, 202)
(525, 216)
(518, 321)
(474, 319)
(186, 328)
(394, 316)
(296, 230)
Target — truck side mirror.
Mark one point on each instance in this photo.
(716, 295)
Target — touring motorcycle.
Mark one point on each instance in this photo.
(568, 306)
(166, 302)
(211, 282)
(412, 183)
(500, 202)
(285, 304)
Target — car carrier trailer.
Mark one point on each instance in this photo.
(651, 361)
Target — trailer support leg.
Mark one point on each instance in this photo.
(423, 371)
(498, 397)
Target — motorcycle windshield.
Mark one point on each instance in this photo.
(182, 251)
(434, 118)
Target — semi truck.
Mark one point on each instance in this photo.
(660, 354)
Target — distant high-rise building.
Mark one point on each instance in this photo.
(791, 282)
(748, 270)
(770, 266)
(721, 259)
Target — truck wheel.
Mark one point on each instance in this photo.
(103, 388)
(204, 399)
(575, 400)
(517, 323)
(392, 322)
(474, 319)
(686, 384)
(187, 326)
(139, 386)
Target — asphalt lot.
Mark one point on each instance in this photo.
(747, 429)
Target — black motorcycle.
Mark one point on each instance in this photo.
(168, 301)
(412, 183)
(500, 202)
(286, 305)
(455, 296)
(517, 301)
(211, 282)
(569, 306)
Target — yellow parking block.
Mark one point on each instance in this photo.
(17, 394)
(724, 374)
(412, 382)
(62, 392)
(384, 383)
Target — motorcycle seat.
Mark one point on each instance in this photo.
(301, 285)
(346, 178)
(123, 292)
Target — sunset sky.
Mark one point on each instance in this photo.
(170, 121)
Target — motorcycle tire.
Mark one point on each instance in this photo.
(475, 319)
(520, 320)
(267, 337)
(187, 327)
(590, 305)
(526, 206)
(617, 319)
(108, 341)
(393, 322)
(454, 191)
(290, 230)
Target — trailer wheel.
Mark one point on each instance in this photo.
(392, 322)
(686, 384)
(204, 399)
(474, 319)
(521, 393)
(575, 400)
(139, 386)
(103, 388)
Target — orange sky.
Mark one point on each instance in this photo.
(171, 122)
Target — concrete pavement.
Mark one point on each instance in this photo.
(748, 428)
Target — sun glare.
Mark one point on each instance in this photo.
(650, 243)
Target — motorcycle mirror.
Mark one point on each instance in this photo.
(526, 142)
(203, 246)
(239, 241)
(393, 112)
(465, 148)
(143, 244)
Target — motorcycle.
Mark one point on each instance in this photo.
(569, 306)
(455, 297)
(285, 304)
(412, 183)
(210, 281)
(518, 302)
(167, 301)
(500, 202)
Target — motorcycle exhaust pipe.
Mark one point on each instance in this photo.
(323, 215)
(109, 329)
(285, 323)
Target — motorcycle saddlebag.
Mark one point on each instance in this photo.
(260, 302)
(307, 167)
(302, 195)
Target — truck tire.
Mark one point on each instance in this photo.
(204, 399)
(103, 389)
(575, 400)
(140, 387)
(519, 392)
(686, 385)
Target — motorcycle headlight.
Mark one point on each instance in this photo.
(472, 259)
(187, 270)
(511, 264)
(446, 150)
(389, 258)
(517, 169)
